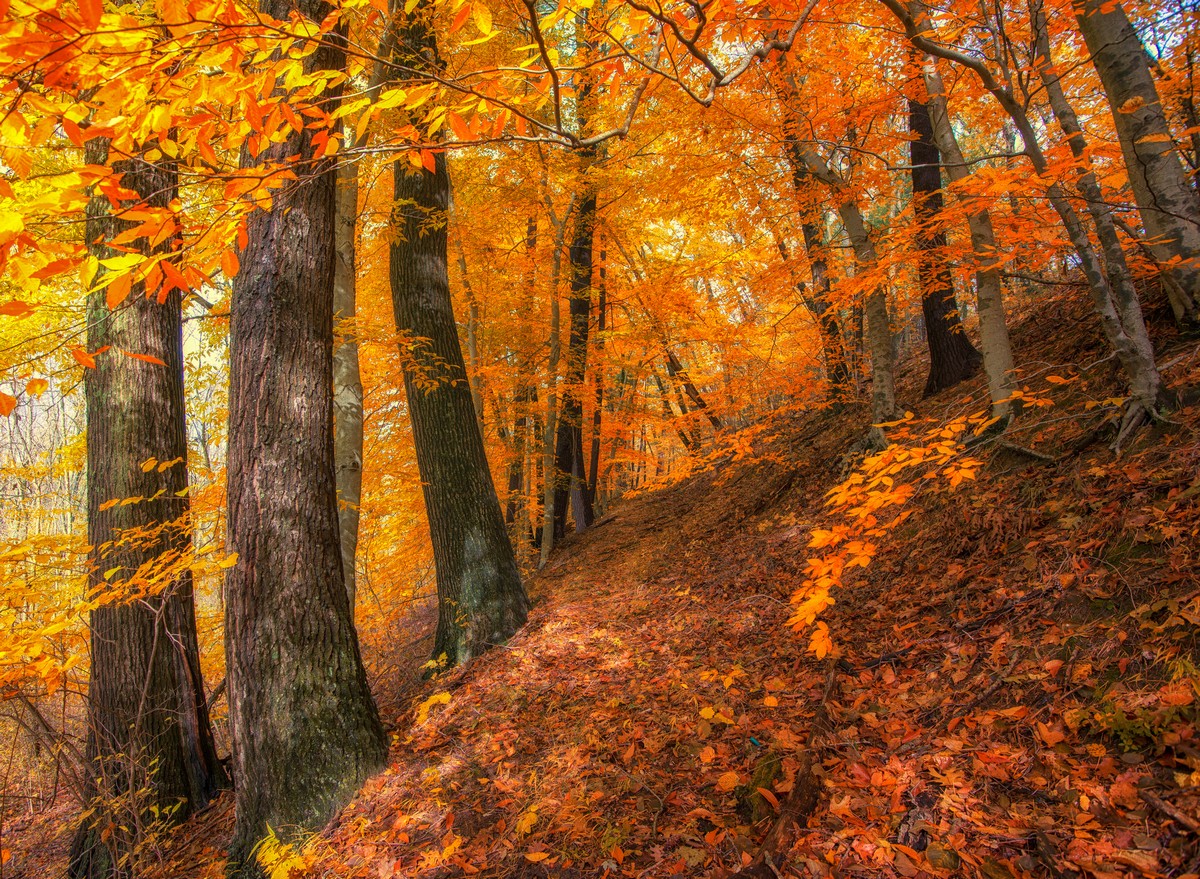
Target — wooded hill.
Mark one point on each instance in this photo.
(588, 438)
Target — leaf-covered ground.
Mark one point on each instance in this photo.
(1013, 690)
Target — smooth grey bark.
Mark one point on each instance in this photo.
(1118, 308)
(989, 289)
(878, 321)
(347, 379)
(1170, 209)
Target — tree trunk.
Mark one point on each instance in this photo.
(1169, 208)
(149, 744)
(305, 730)
(524, 396)
(593, 479)
(952, 357)
(1116, 303)
(570, 476)
(347, 382)
(481, 600)
(551, 426)
(989, 290)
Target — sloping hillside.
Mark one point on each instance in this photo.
(1012, 690)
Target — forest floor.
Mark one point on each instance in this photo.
(1013, 690)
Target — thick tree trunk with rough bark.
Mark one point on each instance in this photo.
(149, 744)
(952, 357)
(989, 289)
(1169, 208)
(305, 729)
(347, 381)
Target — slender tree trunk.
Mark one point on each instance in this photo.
(1170, 209)
(149, 746)
(481, 600)
(550, 428)
(305, 730)
(1116, 303)
(1119, 278)
(524, 396)
(989, 289)
(347, 381)
(593, 479)
(952, 357)
(837, 373)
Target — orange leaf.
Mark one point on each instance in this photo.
(91, 10)
(461, 18)
(16, 308)
(536, 856)
(37, 387)
(229, 264)
(7, 404)
(769, 797)
(118, 290)
(145, 357)
(83, 358)
(728, 781)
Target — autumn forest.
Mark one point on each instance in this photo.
(584, 438)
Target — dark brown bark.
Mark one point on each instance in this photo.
(952, 357)
(305, 729)
(593, 478)
(481, 600)
(150, 744)
(570, 475)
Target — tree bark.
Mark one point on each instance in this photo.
(1116, 304)
(989, 289)
(305, 729)
(952, 357)
(1169, 208)
(481, 600)
(149, 744)
(570, 474)
(347, 381)
(593, 478)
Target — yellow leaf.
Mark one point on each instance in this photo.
(707, 713)
(525, 822)
(229, 561)
(483, 18)
(435, 699)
